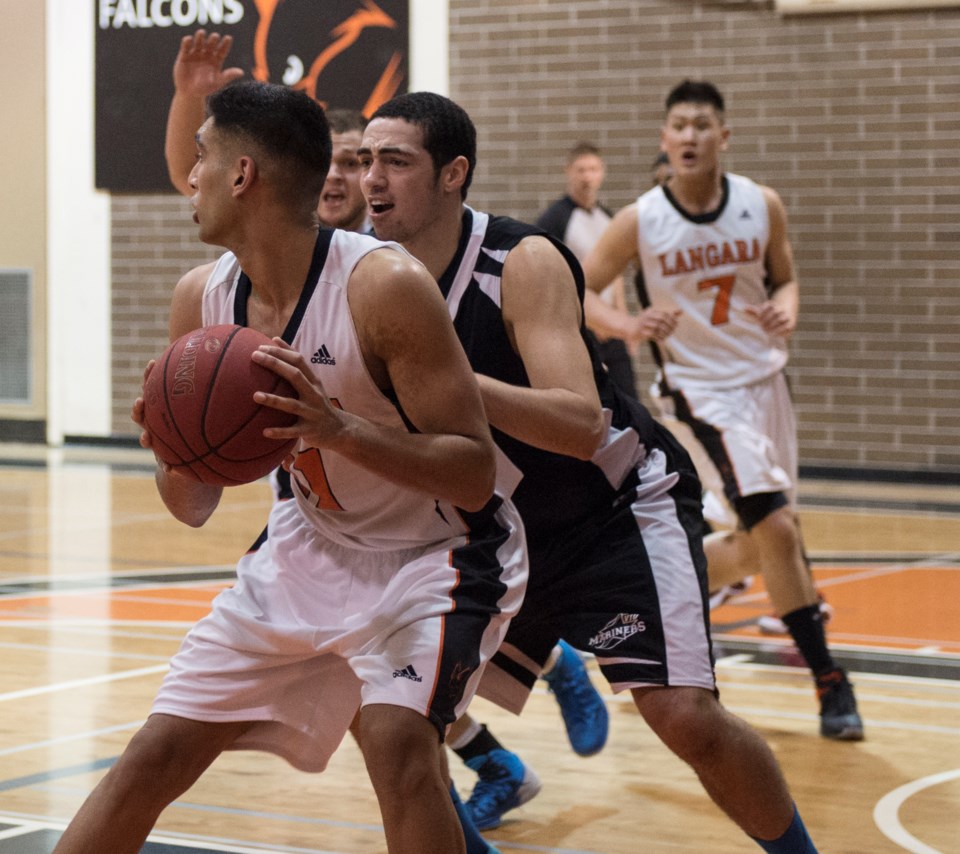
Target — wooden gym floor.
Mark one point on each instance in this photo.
(98, 585)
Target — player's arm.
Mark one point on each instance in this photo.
(778, 315)
(197, 72)
(616, 248)
(189, 501)
(409, 345)
(560, 412)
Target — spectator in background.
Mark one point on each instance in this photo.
(578, 219)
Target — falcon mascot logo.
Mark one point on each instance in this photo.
(353, 31)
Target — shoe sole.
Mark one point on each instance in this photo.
(850, 733)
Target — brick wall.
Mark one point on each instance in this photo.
(853, 118)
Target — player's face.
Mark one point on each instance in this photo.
(584, 178)
(693, 137)
(402, 189)
(211, 180)
(341, 202)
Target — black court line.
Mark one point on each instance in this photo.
(60, 773)
(917, 666)
(113, 582)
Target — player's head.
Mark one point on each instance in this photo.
(342, 204)
(696, 92)
(447, 131)
(585, 172)
(283, 130)
(694, 132)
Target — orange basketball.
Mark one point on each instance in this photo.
(200, 412)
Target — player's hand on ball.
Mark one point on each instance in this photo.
(318, 420)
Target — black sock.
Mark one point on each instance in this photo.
(806, 629)
(482, 742)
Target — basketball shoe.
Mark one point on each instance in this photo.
(728, 591)
(839, 718)
(583, 710)
(504, 783)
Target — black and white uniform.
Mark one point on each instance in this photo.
(721, 375)
(616, 563)
(579, 229)
(363, 591)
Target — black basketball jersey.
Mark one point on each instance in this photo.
(557, 490)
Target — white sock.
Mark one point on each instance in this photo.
(469, 735)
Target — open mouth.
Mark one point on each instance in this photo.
(377, 208)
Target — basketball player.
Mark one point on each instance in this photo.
(397, 481)
(721, 301)
(610, 502)
(505, 781)
(578, 219)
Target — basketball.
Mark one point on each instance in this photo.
(199, 408)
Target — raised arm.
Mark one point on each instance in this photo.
(410, 346)
(560, 412)
(197, 72)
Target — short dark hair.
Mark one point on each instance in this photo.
(286, 125)
(581, 149)
(448, 131)
(344, 121)
(695, 92)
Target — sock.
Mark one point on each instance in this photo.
(483, 742)
(806, 628)
(469, 734)
(551, 662)
(476, 844)
(795, 840)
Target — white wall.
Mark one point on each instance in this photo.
(78, 254)
(78, 235)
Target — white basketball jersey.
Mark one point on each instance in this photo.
(711, 267)
(345, 502)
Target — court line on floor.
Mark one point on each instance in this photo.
(82, 683)
(886, 812)
(64, 739)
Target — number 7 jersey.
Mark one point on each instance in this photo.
(711, 267)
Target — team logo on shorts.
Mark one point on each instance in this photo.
(407, 673)
(617, 631)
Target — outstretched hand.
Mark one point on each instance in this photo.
(198, 69)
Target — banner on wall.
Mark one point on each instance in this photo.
(345, 53)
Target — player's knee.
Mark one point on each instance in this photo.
(754, 509)
(401, 750)
(686, 720)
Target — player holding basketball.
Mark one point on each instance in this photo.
(610, 503)
(721, 301)
(504, 780)
(394, 472)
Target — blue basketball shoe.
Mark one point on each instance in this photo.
(504, 783)
(584, 712)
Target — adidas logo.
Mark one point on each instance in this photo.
(407, 673)
(323, 357)
(745, 214)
